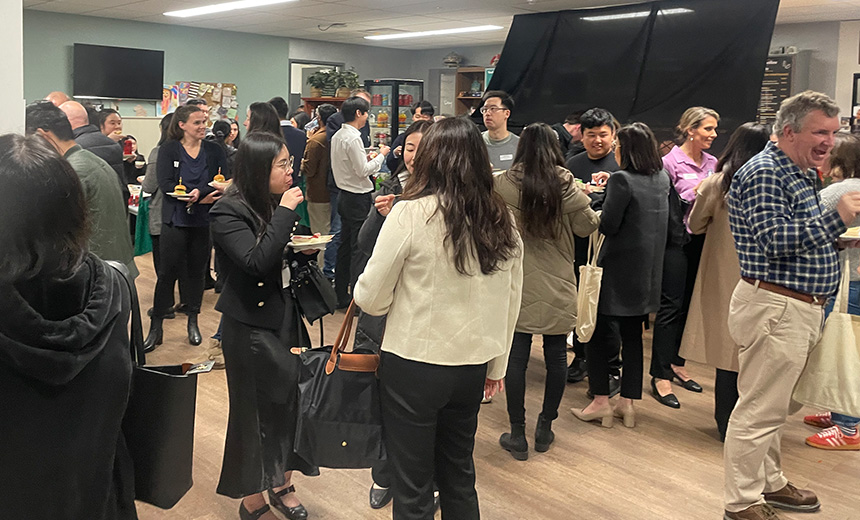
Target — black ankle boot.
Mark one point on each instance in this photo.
(155, 336)
(543, 434)
(515, 442)
(194, 336)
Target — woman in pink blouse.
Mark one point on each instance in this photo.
(688, 165)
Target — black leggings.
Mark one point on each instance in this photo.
(555, 358)
(725, 399)
(599, 351)
(183, 249)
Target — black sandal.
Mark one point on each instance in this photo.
(293, 513)
(244, 514)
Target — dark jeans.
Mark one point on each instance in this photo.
(330, 255)
(672, 315)
(599, 351)
(353, 209)
(725, 398)
(183, 249)
(555, 358)
(430, 415)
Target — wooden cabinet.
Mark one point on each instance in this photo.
(312, 102)
(468, 98)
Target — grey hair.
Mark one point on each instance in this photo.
(794, 110)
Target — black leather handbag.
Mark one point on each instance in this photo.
(340, 417)
(159, 421)
(313, 292)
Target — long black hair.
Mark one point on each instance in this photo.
(418, 127)
(538, 157)
(452, 164)
(638, 150)
(251, 173)
(165, 126)
(746, 141)
(264, 118)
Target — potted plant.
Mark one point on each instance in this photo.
(346, 82)
(318, 81)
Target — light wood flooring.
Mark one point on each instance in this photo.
(668, 467)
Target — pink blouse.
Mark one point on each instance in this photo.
(686, 174)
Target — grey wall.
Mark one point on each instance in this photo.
(369, 62)
(822, 38)
(427, 65)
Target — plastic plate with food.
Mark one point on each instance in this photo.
(315, 241)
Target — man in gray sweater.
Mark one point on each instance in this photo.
(501, 144)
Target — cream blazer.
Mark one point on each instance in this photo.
(435, 314)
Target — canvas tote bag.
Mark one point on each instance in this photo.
(590, 276)
(831, 378)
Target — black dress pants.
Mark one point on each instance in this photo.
(672, 315)
(183, 250)
(430, 415)
(599, 351)
(353, 209)
(555, 358)
(725, 399)
(156, 253)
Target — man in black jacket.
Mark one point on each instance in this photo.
(89, 137)
(296, 138)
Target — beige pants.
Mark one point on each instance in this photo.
(775, 334)
(319, 214)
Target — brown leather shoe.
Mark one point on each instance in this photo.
(792, 499)
(756, 512)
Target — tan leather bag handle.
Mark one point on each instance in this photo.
(349, 362)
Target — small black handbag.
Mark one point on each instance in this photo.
(313, 292)
(159, 421)
(340, 418)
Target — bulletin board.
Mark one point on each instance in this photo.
(221, 97)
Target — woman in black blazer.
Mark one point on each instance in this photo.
(261, 322)
(184, 238)
(634, 220)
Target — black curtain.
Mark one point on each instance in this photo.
(644, 62)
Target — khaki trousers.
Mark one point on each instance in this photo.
(775, 334)
(319, 213)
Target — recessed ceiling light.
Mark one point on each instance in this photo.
(220, 8)
(439, 32)
(637, 14)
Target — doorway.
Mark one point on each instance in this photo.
(299, 72)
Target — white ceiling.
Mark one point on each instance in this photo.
(306, 18)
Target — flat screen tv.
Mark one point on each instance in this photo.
(117, 72)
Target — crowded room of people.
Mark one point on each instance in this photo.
(410, 259)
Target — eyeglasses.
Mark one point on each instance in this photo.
(286, 164)
(484, 110)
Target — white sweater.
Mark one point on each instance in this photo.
(435, 314)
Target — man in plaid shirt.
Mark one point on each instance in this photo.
(786, 246)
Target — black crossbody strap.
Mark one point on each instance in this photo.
(136, 340)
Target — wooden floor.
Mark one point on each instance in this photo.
(668, 467)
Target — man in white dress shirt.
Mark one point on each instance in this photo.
(352, 173)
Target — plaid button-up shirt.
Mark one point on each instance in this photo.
(781, 233)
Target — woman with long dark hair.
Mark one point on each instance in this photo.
(251, 226)
(549, 210)
(235, 138)
(262, 117)
(187, 159)
(65, 369)
(706, 335)
(447, 271)
(634, 221)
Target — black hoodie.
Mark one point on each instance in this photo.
(65, 374)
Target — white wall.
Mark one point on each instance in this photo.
(822, 39)
(848, 63)
(12, 65)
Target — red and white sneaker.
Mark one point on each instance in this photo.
(819, 420)
(833, 439)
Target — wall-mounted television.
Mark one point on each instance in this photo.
(117, 72)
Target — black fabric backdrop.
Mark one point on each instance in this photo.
(649, 66)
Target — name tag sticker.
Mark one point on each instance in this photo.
(507, 157)
(176, 164)
(689, 176)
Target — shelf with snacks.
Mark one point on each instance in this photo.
(469, 87)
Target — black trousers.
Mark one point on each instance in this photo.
(725, 399)
(599, 351)
(353, 209)
(555, 358)
(156, 253)
(430, 415)
(183, 249)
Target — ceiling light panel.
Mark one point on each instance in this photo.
(438, 32)
(223, 7)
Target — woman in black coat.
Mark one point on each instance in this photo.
(184, 242)
(261, 322)
(634, 220)
(65, 368)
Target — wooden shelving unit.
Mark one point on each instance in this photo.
(466, 76)
(312, 102)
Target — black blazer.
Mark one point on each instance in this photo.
(169, 154)
(634, 220)
(296, 141)
(253, 292)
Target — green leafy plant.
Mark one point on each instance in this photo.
(319, 79)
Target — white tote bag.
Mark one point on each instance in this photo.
(590, 276)
(831, 378)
